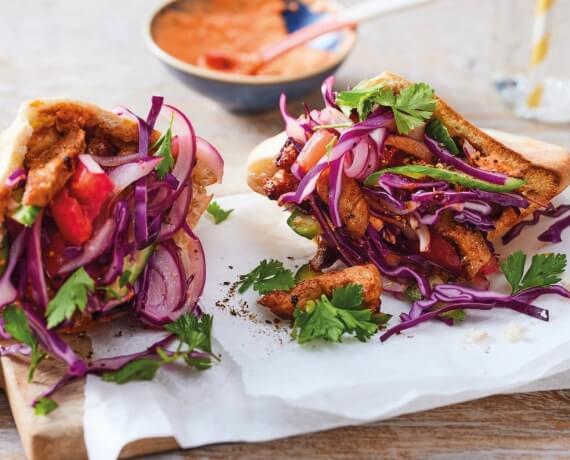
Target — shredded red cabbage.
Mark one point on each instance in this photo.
(554, 233)
(550, 211)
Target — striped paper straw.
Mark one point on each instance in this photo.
(540, 45)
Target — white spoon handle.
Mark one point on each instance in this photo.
(372, 8)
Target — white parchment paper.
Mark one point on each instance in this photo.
(267, 386)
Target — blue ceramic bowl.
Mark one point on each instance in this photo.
(245, 93)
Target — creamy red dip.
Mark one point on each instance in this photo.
(189, 29)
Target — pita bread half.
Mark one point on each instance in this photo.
(37, 117)
(546, 167)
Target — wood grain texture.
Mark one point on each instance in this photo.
(532, 425)
(78, 49)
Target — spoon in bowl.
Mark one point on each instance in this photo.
(250, 63)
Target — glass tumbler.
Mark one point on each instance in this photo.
(531, 54)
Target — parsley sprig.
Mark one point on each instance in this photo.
(194, 348)
(544, 270)
(268, 276)
(411, 106)
(16, 324)
(218, 213)
(163, 148)
(330, 319)
(71, 297)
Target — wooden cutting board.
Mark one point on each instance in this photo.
(58, 436)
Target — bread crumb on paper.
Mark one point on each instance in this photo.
(477, 336)
(514, 332)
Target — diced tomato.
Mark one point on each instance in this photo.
(175, 146)
(70, 218)
(90, 189)
(491, 267)
(314, 149)
(443, 253)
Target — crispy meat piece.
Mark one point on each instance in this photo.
(409, 145)
(283, 303)
(281, 182)
(98, 144)
(288, 154)
(352, 205)
(475, 253)
(50, 169)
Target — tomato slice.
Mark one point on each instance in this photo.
(90, 189)
(70, 218)
(443, 253)
(314, 149)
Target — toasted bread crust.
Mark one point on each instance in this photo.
(545, 167)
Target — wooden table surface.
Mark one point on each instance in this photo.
(93, 50)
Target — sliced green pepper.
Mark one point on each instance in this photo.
(304, 225)
(26, 215)
(132, 268)
(419, 171)
(437, 131)
(305, 273)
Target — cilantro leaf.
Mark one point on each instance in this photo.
(331, 319)
(267, 277)
(349, 296)
(44, 406)
(164, 149)
(16, 324)
(544, 270)
(70, 297)
(194, 332)
(412, 106)
(413, 293)
(140, 369)
(437, 131)
(219, 214)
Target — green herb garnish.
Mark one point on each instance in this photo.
(544, 270)
(217, 213)
(268, 276)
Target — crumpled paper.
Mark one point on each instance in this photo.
(267, 386)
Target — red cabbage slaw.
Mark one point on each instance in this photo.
(360, 150)
(142, 216)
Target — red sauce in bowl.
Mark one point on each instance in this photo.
(189, 29)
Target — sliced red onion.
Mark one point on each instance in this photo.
(35, 265)
(144, 132)
(90, 164)
(141, 213)
(327, 91)
(125, 175)
(554, 233)
(330, 116)
(99, 243)
(51, 342)
(357, 159)
(16, 178)
(8, 293)
(186, 147)
(195, 268)
(292, 125)
(177, 215)
(166, 291)
(431, 219)
(446, 157)
(335, 190)
(209, 155)
(306, 186)
(550, 211)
